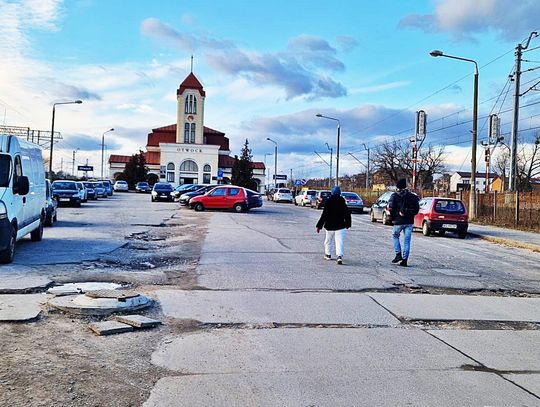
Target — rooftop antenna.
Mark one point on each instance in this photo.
(192, 64)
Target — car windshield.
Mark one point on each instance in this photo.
(5, 169)
(99, 185)
(284, 191)
(143, 184)
(448, 206)
(312, 193)
(88, 185)
(350, 195)
(163, 187)
(64, 185)
(325, 194)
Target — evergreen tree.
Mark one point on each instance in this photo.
(136, 169)
(242, 171)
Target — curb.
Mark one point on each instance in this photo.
(508, 242)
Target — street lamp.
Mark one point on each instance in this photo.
(275, 160)
(472, 195)
(337, 149)
(73, 163)
(102, 146)
(265, 154)
(367, 168)
(331, 151)
(52, 129)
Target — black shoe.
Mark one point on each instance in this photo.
(339, 260)
(403, 263)
(327, 257)
(398, 258)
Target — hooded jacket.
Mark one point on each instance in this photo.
(335, 215)
(396, 202)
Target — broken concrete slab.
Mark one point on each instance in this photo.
(423, 388)
(81, 288)
(529, 381)
(263, 307)
(85, 305)
(427, 307)
(20, 307)
(138, 321)
(496, 349)
(110, 327)
(452, 282)
(21, 283)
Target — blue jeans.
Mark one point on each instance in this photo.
(407, 233)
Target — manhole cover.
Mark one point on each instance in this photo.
(119, 295)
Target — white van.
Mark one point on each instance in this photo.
(22, 193)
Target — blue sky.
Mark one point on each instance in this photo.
(267, 68)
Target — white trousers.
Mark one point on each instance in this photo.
(339, 237)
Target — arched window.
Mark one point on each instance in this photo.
(195, 104)
(190, 103)
(207, 174)
(192, 139)
(186, 106)
(186, 133)
(189, 166)
(170, 172)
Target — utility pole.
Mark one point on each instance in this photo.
(515, 124)
(331, 151)
(367, 167)
(419, 136)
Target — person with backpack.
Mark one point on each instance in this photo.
(335, 218)
(403, 206)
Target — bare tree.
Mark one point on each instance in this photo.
(394, 160)
(529, 164)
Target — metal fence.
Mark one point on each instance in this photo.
(511, 209)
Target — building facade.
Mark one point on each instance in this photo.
(461, 181)
(187, 152)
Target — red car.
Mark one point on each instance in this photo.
(222, 197)
(442, 215)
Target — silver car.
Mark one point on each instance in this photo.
(354, 202)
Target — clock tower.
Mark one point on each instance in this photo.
(190, 115)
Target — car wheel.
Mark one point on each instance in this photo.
(238, 207)
(6, 256)
(303, 203)
(37, 234)
(199, 207)
(49, 219)
(153, 200)
(385, 218)
(372, 216)
(295, 203)
(425, 229)
(55, 217)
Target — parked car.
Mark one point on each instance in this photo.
(255, 199)
(283, 195)
(100, 189)
(51, 205)
(222, 197)
(304, 197)
(82, 191)
(67, 192)
(22, 192)
(353, 201)
(90, 190)
(379, 209)
(442, 215)
(121, 186)
(320, 198)
(108, 187)
(184, 188)
(186, 197)
(162, 191)
(142, 186)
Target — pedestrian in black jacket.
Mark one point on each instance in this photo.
(403, 206)
(335, 218)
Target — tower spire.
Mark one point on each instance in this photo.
(191, 63)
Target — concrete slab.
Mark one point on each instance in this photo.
(138, 321)
(262, 307)
(454, 282)
(22, 283)
(84, 305)
(334, 278)
(531, 382)
(424, 307)
(422, 388)
(81, 288)
(305, 349)
(500, 350)
(455, 272)
(20, 307)
(110, 328)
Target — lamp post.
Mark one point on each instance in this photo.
(337, 149)
(472, 195)
(331, 151)
(52, 129)
(102, 148)
(367, 167)
(73, 163)
(265, 154)
(275, 160)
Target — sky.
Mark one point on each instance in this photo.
(268, 68)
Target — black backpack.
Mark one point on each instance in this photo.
(409, 205)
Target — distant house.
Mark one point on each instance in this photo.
(535, 184)
(461, 181)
